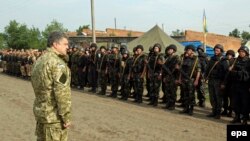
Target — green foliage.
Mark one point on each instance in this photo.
(53, 26)
(177, 32)
(245, 35)
(19, 36)
(235, 33)
(79, 30)
(2, 41)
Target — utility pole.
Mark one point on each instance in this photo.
(93, 21)
(115, 23)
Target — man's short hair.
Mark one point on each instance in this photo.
(55, 36)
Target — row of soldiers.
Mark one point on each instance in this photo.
(228, 77)
(169, 71)
(18, 62)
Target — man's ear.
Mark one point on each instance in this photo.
(55, 45)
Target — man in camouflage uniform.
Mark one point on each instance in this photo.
(74, 69)
(240, 76)
(170, 75)
(138, 72)
(213, 75)
(92, 68)
(102, 69)
(155, 74)
(114, 66)
(189, 78)
(125, 78)
(201, 86)
(151, 53)
(81, 70)
(226, 84)
(51, 83)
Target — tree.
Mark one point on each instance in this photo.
(177, 33)
(53, 26)
(245, 35)
(2, 41)
(80, 29)
(235, 33)
(35, 39)
(17, 35)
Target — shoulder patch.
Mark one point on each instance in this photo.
(63, 78)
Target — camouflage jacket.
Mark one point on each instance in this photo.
(51, 83)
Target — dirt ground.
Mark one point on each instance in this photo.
(99, 118)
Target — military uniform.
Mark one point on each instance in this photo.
(102, 71)
(170, 75)
(213, 75)
(190, 67)
(201, 86)
(74, 68)
(240, 75)
(52, 106)
(137, 70)
(226, 84)
(114, 66)
(155, 74)
(125, 81)
(81, 71)
(92, 68)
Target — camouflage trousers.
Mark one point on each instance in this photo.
(155, 85)
(138, 87)
(188, 92)
(114, 81)
(125, 84)
(51, 132)
(200, 91)
(102, 81)
(169, 90)
(4, 66)
(74, 74)
(215, 95)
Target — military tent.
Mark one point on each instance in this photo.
(248, 44)
(155, 35)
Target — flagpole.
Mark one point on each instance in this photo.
(204, 31)
(205, 42)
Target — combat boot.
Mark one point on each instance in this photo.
(185, 110)
(171, 106)
(190, 110)
(155, 102)
(151, 101)
(236, 119)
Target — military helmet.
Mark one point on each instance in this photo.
(125, 52)
(172, 46)
(219, 46)
(157, 45)
(201, 47)
(134, 49)
(123, 47)
(190, 47)
(244, 48)
(150, 49)
(102, 47)
(93, 45)
(139, 47)
(230, 52)
(115, 46)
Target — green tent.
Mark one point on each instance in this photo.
(248, 44)
(155, 35)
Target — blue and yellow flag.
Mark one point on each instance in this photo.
(204, 22)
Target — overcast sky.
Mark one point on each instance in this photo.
(141, 15)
